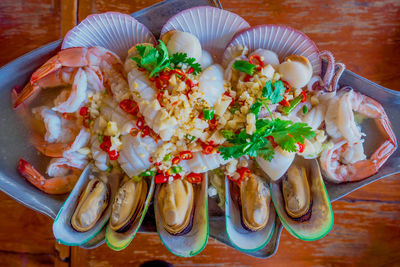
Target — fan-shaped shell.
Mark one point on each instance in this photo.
(214, 27)
(112, 30)
(282, 40)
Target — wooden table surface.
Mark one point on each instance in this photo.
(365, 35)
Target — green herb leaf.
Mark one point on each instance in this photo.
(235, 107)
(167, 157)
(183, 58)
(256, 107)
(285, 133)
(244, 66)
(275, 94)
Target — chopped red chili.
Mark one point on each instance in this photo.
(113, 154)
(300, 147)
(190, 70)
(271, 139)
(176, 160)
(194, 178)
(260, 62)
(185, 155)
(180, 72)
(145, 131)
(161, 178)
(68, 116)
(304, 94)
(86, 122)
(287, 86)
(129, 106)
(190, 83)
(134, 132)
(160, 98)
(243, 173)
(140, 123)
(284, 102)
(247, 78)
(106, 144)
(213, 123)
(84, 111)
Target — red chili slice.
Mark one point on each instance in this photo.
(190, 70)
(185, 155)
(160, 98)
(106, 144)
(300, 147)
(190, 83)
(212, 124)
(284, 102)
(68, 116)
(271, 139)
(134, 132)
(160, 178)
(194, 178)
(287, 86)
(247, 78)
(208, 149)
(129, 106)
(176, 160)
(86, 122)
(177, 176)
(145, 131)
(304, 94)
(84, 111)
(243, 173)
(140, 123)
(260, 62)
(180, 72)
(113, 154)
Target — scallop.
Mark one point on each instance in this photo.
(296, 70)
(183, 42)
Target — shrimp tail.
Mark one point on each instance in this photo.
(55, 185)
(27, 92)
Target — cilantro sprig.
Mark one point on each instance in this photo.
(183, 58)
(156, 59)
(285, 134)
(269, 133)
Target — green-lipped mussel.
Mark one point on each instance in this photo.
(302, 202)
(181, 210)
(249, 214)
(91, 204)
(128, 210)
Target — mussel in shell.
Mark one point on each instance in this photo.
(302, 202)
(91, 204)
(296, 193)
(128, 204)
(176, 202)
(254, 202)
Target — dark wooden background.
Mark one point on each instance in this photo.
(365, 35)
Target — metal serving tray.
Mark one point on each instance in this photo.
(14, 142)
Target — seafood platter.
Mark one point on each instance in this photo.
(216, 127)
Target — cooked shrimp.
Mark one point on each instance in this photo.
(56, 185)
(78, 57)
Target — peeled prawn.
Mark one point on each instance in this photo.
(54, 71)
(357, 170)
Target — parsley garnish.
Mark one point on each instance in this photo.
(156, 59)
(284, 133)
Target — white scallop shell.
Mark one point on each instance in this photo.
(112, 30)
(282, 40)
(213, 26)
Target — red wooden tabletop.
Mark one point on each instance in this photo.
(365, 35)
